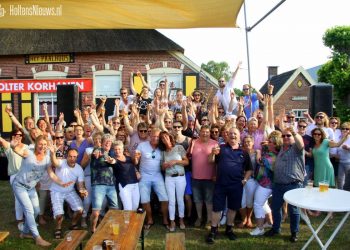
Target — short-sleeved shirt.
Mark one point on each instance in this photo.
(150, 161)
(32, 170)
(290, 165)
(142, 103)
(125, 172)
(328, 131)
(231, 165)
(176, 153)
(134, 142)
(251, 103)
(202, 169)
(67, 174)
(101, 171)
(81, 149)
(14, 160)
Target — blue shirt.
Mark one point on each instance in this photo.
(231, 165)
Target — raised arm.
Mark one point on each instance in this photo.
(234, 74)
(8, 110)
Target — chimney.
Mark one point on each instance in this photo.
(272, 71)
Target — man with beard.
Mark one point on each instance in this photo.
(233, 170)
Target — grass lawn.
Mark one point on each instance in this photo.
(155, 239)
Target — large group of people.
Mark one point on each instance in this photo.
(214, 151)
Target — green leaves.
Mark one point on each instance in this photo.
(337, 70)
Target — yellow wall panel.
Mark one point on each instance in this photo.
(6, 97)
(26, 110)
(26, 96)
(6, 121)
(138, 84)
(191, 84)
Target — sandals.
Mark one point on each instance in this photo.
(148, 226)
(74, 227)
(58, 234)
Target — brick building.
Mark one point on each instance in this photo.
(102, 58)
(291, 90)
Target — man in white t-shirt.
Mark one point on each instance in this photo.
(69, 172)
(149, 156)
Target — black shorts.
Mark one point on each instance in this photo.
(233, 193)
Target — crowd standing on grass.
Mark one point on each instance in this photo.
(208, 150)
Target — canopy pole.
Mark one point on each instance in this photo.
(248, 29)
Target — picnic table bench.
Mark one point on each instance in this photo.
(77, 238)
(175, 241)
(3, 236)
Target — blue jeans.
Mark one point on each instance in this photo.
(30, 204)
(278, 191)
(99, 192)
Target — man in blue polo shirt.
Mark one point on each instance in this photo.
(233, 170)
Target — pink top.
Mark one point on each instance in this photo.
(258, 136)
(201, 168)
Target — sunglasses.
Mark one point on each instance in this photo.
(143, 131)
(319, 116)
(334, 122)
(204, 120)
(221, 81)
(345, 129)
(246, 89)
(318, 134)
(177, 126)
(153, 154)
(59, 137)
(124, 93)
(301, 126)
(167, 121)
(116, 122)
(18, 135)
(215, 132)
(196, 95)
(287, 135)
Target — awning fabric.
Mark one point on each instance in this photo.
(118, 14)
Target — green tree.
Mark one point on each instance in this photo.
(218, 70)
(337, 70)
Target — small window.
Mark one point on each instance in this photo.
(299, 113)
(173, 76)
(49, 99)
(107, 85)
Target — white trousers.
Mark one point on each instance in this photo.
(18, 207)
(130, 196)
(261, 206)
(175, 187)
(248, 193)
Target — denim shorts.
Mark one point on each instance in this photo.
(158, 186)
(202, 190)
(99, 192)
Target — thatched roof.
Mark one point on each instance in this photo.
(20, 42)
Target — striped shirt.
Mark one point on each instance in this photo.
(290, 165)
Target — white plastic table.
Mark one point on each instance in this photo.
(334, 200)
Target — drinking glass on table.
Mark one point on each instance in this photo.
(126, 215)
(323, 186)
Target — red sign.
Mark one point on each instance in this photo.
(43, 85)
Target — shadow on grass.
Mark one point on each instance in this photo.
(195, 237)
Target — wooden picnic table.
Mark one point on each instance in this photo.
(129, 234)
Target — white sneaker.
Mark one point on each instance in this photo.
(267, 225)
(20, 226)
(223, 220)
(257, 231)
